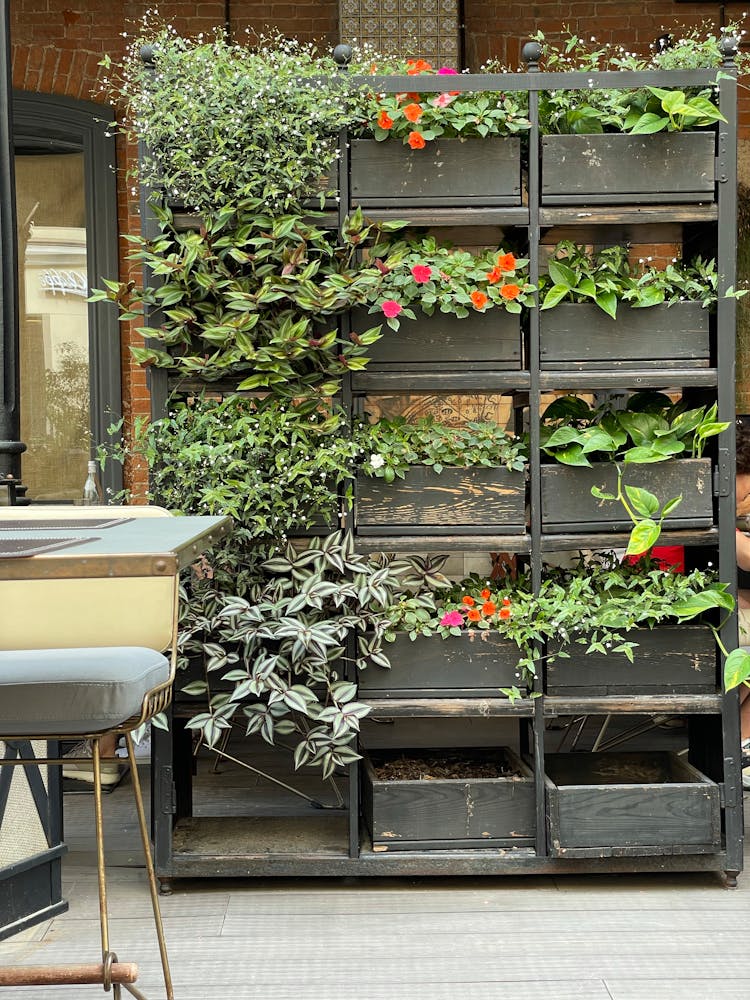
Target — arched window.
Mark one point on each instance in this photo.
(69, 349)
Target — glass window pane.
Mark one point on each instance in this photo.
(54, 334)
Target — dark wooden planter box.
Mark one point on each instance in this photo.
(473, 665)
(581, 336)
(446, 172)
(456, 501)
(607, 804)
(567, 503)
(669, 659)
(628, 169)
(489, 340)
(441, 814)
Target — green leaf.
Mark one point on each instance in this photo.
(555, 295)
(561, 274)
(643, 537)
(642, 501)
(607, 301)
(736, 669)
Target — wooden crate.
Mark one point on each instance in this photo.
(488, 340)
(628, 169)
(568, 505)
(606, 804)
(446, 172)
(580, 336)
(447, 813)
(669, 659)
(456, 501)
(472, 665)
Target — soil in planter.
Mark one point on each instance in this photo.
(433, 767)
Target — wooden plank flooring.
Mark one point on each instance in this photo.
(598, 937)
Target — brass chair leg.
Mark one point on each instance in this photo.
(100, 870)
(145, 841)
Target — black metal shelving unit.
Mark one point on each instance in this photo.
(336, 842)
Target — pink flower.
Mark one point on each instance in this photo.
(452, 618)
(442, 101)
(447, 71)
(421, 273)
(391, 308)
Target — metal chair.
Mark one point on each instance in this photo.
(84, 687)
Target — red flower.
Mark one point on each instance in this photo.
(416, 140)
(494, 275)
(506, 262)
(447, 71)
(510, 291)
(385, 121)
(415, 66)
(468, 601)
(484, 594)
(390, 308)
(505, 612)
(488, 608)
(413, 112)
(421, 273)
(506, 602)
(479, 299)
(473, 615)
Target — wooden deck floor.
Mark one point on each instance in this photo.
(634, 937)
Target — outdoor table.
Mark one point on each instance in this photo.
(71, 577)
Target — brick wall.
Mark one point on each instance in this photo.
(57, 45)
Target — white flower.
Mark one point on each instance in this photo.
(377, 461)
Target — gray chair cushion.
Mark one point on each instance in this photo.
(74, 691)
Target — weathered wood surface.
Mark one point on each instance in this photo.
(630, 800)
(455, 497)
(649, 704)
(588, 215)
(437, 382)
(664, 378)
(392, 706)
(481, 811)
(446, 172)
(567, 501)
(583, 334)
(479, 662)
(668, 659)
(490, 339)
(66, 975)
(663, 167)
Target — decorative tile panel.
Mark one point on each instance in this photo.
(425, 29)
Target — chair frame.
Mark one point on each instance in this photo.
(111, 974)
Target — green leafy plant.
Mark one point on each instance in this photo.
(272, 465)
(253, 121)
(641, 110)
(249, 292)
(417, 119)
(434, 277)
(607, 278)
(287, 648)
(651, 429)
(389, 446)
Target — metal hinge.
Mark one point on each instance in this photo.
(723, 474)
(722, 175)
(167, 792)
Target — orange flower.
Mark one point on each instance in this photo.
(468, 601)
(385, 121)
(413, 112)
(484, 594)
(506, 602)
(506, 262)
(416, 140)
(488, 608)
(510, 291)
(415, 66)
(413, 96)
(373, 69)
(505, 612)
(479, 299)
(495, 275)
(473, 615)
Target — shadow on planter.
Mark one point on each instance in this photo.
(442, 813)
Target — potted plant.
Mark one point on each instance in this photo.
(636, 145)
(427, 476)
(662, 314)
(654, 444)
(412, 145)
(449, 306)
